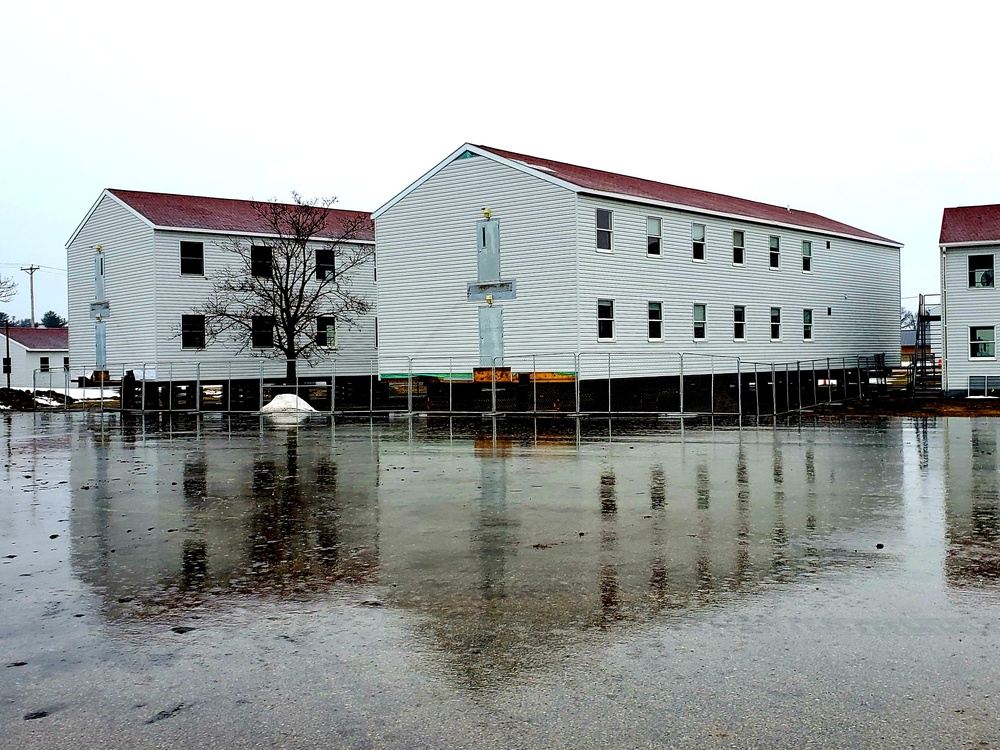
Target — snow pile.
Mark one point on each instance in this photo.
(286, 403)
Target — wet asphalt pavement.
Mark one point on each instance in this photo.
(246, 583)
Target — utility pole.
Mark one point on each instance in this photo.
(30, 270)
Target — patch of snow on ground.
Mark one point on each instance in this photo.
(285, 403)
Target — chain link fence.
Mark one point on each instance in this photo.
(575, 383)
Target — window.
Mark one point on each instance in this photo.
(655, 321)
(262, 332)
(193, 258)
(43, 364)
(654, 233)
(326, 264)
(604, 227)
(697, 242)
(739, 323)
(326, 331)
(739, 240)
(982, 342)
(700, 321)
(192, 331)
(980, 271)
(807, 256)
(775, 248)
(260, 261)
(807, 325)
(376, 333)
(775, 324)
(66, 363)
(605, 320)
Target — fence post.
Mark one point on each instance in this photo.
(142, 388)
(756, 391)
(843, 374)
(197, 387)
(493, 385)
(798, 399)
(409, 386)
(774, 392)
(829, 385)
(576, 366)
(451, 379)
(857, 357)
(609, 384)
(333, 388)
(711, 385)
(739, 391)
(371, 386)
(680, 383)
(260, 375)
(815, 379)
(534, 384)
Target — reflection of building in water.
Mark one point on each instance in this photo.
(165, 520)
(506, 551)
(603, 536)
(972, 502)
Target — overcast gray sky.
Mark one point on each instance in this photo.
(875, 114)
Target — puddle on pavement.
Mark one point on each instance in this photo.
(504, 547)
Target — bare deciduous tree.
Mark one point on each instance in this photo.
(907, 321)
(8, 287)
(277, 288)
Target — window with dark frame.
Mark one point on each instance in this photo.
(262, 332)
(980, 271)
(807, 325)
(43, 364)
(739, 322)
(192, 331)
(774, 247)
(605, 225)
(982, 342)
(260, 261)
(66, 363)
(739, 247)
(655, 321)
(605, 319)
(326, 331)
(700, 319)
(193, 258)
(775, 324)
(697, 242)
(807, 256)
(654, 235)
(326, 264)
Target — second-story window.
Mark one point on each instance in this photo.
(807, 325)
(739, 247)
(193, 258)
(980, 271)
(775, 324)
(654, 232)
(807, 256)
(262, 331)
(739, 322)
(325, 264)
(774, 255)
(605, 221)
(655, 321)
(697, 242)
(260, 261)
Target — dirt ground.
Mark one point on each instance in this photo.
(18, 400)
(902, 405)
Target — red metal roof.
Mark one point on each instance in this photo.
(222, 214)
(970, 224)
(609, 182)
(42, 339)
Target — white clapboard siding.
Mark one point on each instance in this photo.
(853, 290)
(129, 285)
(179, 294)
(965, 308)
(427, 256)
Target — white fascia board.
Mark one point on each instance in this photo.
(738, 217)
(106, 194)
(976, 243)
(519, 166)
(264, 235)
